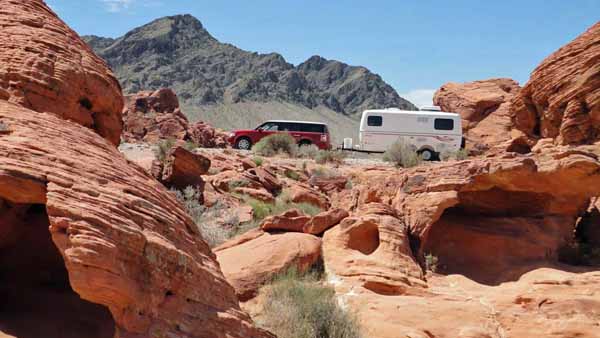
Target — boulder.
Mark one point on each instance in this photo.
(150, 116)
(329, 184)
(371, 251)
(561, 100)
(300, 193)
(255, 258)
(325, 220)
(291, 220)
(207, 136)
(484, 107)
(153, 115)
(183, 168)
(47, 68)
(135, 260)
(257, 194)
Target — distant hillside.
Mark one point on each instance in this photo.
(208, 75)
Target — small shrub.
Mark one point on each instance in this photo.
(292, 174)
(258, 161)
(298, 307)
(163, 148)
(213, 233)
(323, 172)
(329, 156)
(237, 184)
(276, 144)
(459, 155)
(308, 151)
(190, 146)
(402, 155)
(431, 262)
(349, 185)
(283, 203)
(213, 171)
(3, 126)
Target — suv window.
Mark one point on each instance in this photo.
(269, 126)
(284, 126)
(312, 128)
(374, 121)
(443, 124)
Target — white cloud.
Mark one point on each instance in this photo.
(115, 6)
(420, 97)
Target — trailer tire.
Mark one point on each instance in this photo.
(427, 155)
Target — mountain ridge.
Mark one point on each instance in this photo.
(178, 52)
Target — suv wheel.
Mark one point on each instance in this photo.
(304, 143)
(243, 143)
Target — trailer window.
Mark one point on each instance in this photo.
(374, 121)
(443, 124)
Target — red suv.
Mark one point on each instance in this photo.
(305, 133)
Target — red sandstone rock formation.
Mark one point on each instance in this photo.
(46, 67)
(254, 258)
(75, 215)
(181, 169)
(562, 98)
(291, 220)
(154, 115)
(126, 242)
(325, 220)
(484, 107)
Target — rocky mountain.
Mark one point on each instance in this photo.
(179, 53)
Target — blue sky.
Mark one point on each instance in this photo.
(416, 46)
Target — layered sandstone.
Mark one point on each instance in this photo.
(126, 242)
(484, 107)
(46, 67)
(562, 98)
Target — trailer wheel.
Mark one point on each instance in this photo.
(427, 155)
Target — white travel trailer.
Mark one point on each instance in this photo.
(429, 131)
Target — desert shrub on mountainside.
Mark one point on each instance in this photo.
(402, 155)
(162, 149)
(299, 306)
(291, 174)
(276, 144)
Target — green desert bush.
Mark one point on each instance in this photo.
(329, 156)
(581, 254)
(431, 262)
(308, 151)
(402, 155)
(459, 155)
(258, 161)
(300, 307)
(262, 209)
(214, 233)
(276, 144)
(162, 149)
